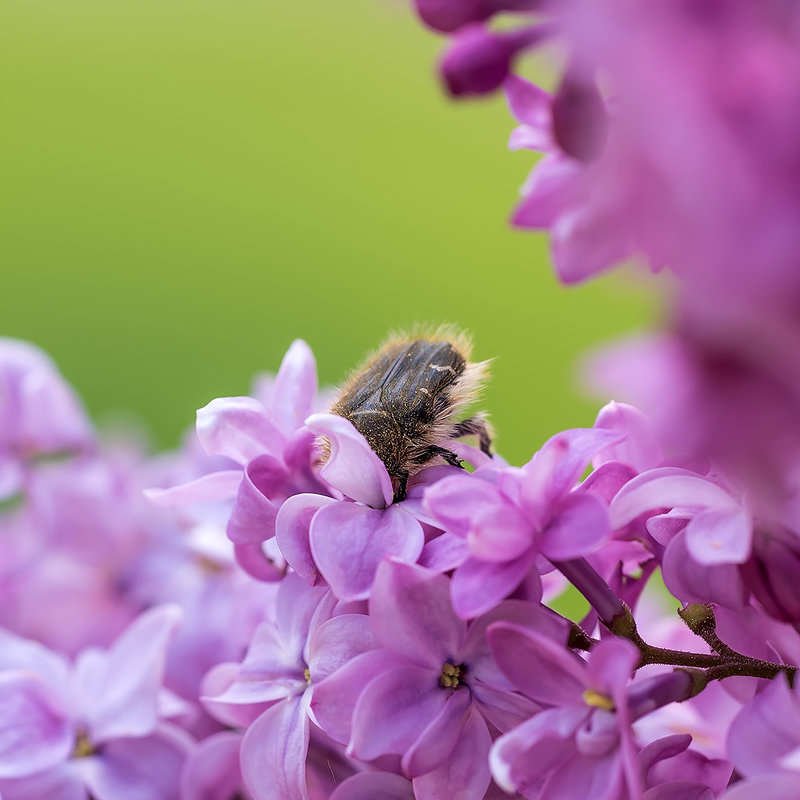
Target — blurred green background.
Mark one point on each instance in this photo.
(188, 185)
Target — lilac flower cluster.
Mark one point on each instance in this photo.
(336, 644)
(673, 138)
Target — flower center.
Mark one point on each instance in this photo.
(83, 747)
(597, 700)
(307, 675)
(451, 675)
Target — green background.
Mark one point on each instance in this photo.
(188, 185)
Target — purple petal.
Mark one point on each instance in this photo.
(215, 486)
(59, 783)
(412, 615)
(529, 104)
(541, 668)
(611, 664)
(337, 641)
(550, 188)
(720, 536)
(666, 487)
(292, 526)
(441, 735)
(252, 518)
(35, 732)
(353, 468)
(465, 774)
(372, 785)
(579, 526)
(256, 563)
(212, 771)
(393, 711)
(237, 427)
(598, 778)
(692, 582)
(119, 688)
(295, 387)
(640, 448)
(348, 541)
(444, 553)
(765, 730)
(766, 787)
(131, 769)
(274, 748)
(334, 698)
(477, 586)
(523, 757)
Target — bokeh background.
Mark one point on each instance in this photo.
(188, 185)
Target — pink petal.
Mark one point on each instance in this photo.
(132, 769)
(720, 536)
(256, 563)
(212, 772)
(59, 783)
(393, 711)
(352, 468)
(295, 387)
(220, 485)
(441, 735)
(35, 732)
(338, 640)
(237, 427)
(579, 526)
(119, 688)
(549, 189)
(348, 541)
(292, 533)
(529, 104)
(611, 664)
(666, 487)
(477, 586)
(412, 615)
(274, 748)
(334, 698)
(465, 774)
(444, 553)
(640, 448)
(372, 785)
(541, 668)
(252, 518)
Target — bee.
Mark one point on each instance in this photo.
(406, 397)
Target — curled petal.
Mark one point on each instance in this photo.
(666, 487)
(292, 525)
(255, 562)
(252, 518)
(352, 467)
(237, 427)
(720, 536)
(369, 785)
(220, 485)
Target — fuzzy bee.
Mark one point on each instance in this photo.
(405, 399)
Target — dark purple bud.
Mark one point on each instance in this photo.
(772, 571)
(479, 60)
(448, 16)
(580, 122)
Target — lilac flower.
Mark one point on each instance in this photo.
(287, 659)
(510, 516)
(87, 730)
(431, 693)
(275, 450)
(341, 541)
(580, 745)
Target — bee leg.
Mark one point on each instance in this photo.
(402, 484)
(448, 455)
(474, 426)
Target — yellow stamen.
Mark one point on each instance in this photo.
(597, 700)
